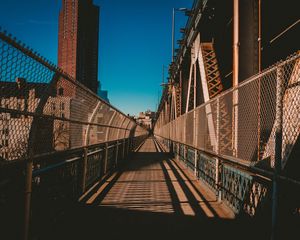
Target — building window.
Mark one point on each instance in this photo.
(53, 106)
(60, 91)
(62, 106)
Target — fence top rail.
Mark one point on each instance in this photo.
(40, 157)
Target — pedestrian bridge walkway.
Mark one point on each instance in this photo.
(151, 197)
(154, 183)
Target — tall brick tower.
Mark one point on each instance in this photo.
(78, 41)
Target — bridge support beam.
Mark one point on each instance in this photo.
(249, 39)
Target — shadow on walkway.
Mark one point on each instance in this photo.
(151, 198)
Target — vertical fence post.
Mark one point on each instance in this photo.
(84, 168)
(259, 120)
(28, 190)
(124, 146)
(195, 162)
(278, 151)
(184, 142)
(235, 75)
(217, 180)
(117, 153)
(195, 142)
(105, 157)
(129, 147)
(185, 154)
(132, 143)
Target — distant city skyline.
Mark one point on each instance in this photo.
(131, 70)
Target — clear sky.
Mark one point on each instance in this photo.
(134, 43)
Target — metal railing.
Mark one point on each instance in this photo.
(57, 138)
(240, 142)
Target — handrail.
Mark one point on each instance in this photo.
(242, 165)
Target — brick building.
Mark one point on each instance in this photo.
(78, 42)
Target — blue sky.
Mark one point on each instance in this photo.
(134, 43)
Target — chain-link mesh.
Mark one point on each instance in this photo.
(242, 122)
(68, 137)
(44, 109)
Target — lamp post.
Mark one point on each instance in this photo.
(173, 26)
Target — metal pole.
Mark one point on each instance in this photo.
(195, 121)
(259, 82)
(235, 73)
(217, 169)
(129, 146)
(124, 145)
(235, 43)
(28, 190)
(278, 152)
(259, 35)
(173, 33)
(117, 152)
(84, 169)
(29, 163)
(195, 143)
(105, 157)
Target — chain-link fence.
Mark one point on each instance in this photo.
(44, 109)
(243, 143)
(242, 122)
(57, 138)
